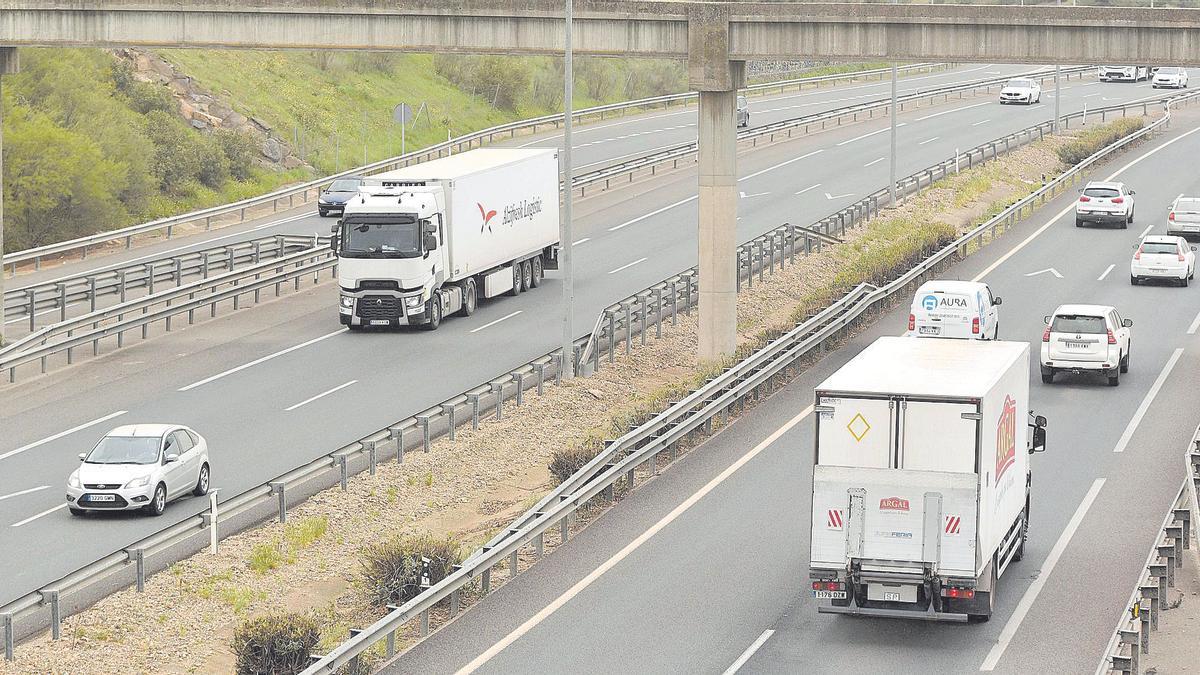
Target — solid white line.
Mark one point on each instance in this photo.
(1110, 268)
(1146, 231)
(873, 133)
(947, 112)
(320, 395)
(60, 434)
(625, 267)
(780, 165)
(811, 187)
(874, 162)
(981, 122)
(928, 141)
(632, 546)
(581, 241)
(1013, 251)
(24, 492)
(1195, 325)
(1141, 411)
(486, 325)
(43, 513)
(640, 218)
(737, 665)
(1031, 593)
(255, 362)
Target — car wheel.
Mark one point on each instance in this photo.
(1133, 281)
(1185, 282)
(1130, 216)
(201, 488)
(1125, 361)
(434, 308)
(1047, 375)
(516, 289)
(539, 272)
(1078, 222)
(158, 503)
(76, 512)
(322, 212)
(1114, 378)
(470, 294)
(526, 275)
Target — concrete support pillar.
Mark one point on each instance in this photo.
(717, 78)
(8, 64)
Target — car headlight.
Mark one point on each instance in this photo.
(322, 200)
(413, 301)
(348, 301)
(73, 481)
(138, 482)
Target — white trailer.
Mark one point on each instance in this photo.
(921, 478)
(430, 240)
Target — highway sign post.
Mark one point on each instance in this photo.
(402, 114)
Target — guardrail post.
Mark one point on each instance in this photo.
(31, 294)
(474, 399)
(62, 301)
(279, 488)
(612, 335)
(541, 374)
(51, 597)
(498, 390)
(9, 638)
(448, 411)
(372, 456)
(1166, 549)
(512, 564)
(139, 559)
(628, 328)
(1150, 591)
(341, 460)
(423, 420)
(519, 380)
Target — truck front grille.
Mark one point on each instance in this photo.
(379, 307)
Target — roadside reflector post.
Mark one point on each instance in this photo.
(278, 488)
(210, 520)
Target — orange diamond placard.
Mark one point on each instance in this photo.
(858, 427)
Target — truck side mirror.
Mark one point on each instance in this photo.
(430, 242)
(334, 241)
(1039, 440)
(333, 229)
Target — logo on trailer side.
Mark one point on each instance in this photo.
(893, 504)
(1006, 438)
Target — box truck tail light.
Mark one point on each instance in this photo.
(828, 586)
(975, 326)
(963, 593)
(912, 322)
(1111, 340)
(1046, 334)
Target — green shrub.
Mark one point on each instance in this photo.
(277, 644)
(265, 557)
(566, 461)
(393, 570)
(1087, 143)
(240, 150)
(305, 532)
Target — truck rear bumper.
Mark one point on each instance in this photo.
(929, 615)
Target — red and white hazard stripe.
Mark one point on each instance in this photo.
(835, 519)
(953, 524)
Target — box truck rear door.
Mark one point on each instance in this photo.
(855, 432)
(936, 436)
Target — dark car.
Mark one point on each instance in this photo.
(334, 198)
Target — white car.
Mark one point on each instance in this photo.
(743, 112)
(1086, 339)
(1124, 73)
(954, 309)
(1021, 90)
(141, 466)
(1176, 78)
(1105, 203)
(1161, 256)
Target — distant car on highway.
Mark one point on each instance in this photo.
(140, 466)
(1165, 257)
(1021, 90)
(1183, 218)
(1124, 73)
(1105, 203)
(743, 112)
(1176, 78)
(1086, 339)
(954, 309)
(335, 196)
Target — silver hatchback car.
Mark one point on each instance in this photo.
(140, 466)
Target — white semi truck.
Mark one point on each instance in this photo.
(427, 241)
(921, 478)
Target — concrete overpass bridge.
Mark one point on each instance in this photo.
(715, 38)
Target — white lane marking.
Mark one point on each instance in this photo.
(874, 162)
(833, 197)
(810, 187)
(1089, 95)
(737, 665)
(255, 362)
(981, 122)
(868, 135)
(1195, 326)
(947, 112)
(1070, 207)
(55, 437)
(509, 316)
(43, 513)
(582, 241)
(1051, 270)
(642, 217)
(632, 546)
(1123, 442)
(1031, 593)
(1106, 271)
(781, 165)
(24, 492)
(320, 395)
(743, 195)
(1146, 231)
(625, 267)
(928, 141)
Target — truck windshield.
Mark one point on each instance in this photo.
(395, 237)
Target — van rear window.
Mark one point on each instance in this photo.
(1078, 323)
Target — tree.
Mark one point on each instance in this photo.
(177, 159)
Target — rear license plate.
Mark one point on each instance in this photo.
(930, 330)
(380, 322)
(1191, 228)
(102, 498)
(891, 597)
(1076, 345)
(829, 595)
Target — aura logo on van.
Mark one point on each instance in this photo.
(1006, 437)
(932, 302)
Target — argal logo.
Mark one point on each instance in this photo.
(486, 216)
(929, 302)
(893, 504)
(1006, 437)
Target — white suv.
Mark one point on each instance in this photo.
(1105, 203)
(1086, 339)
(1165, 257)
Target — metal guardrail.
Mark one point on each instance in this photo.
(417, 431)
(89, 287)
(465, 142)
(643, 445)
(1131, 638)
(116, 320)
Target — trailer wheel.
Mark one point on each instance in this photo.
(526, 275)
(516, 289)
(539, 272)
(470, 297)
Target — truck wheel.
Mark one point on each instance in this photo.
(526, 275)
(987, 602)
(516, 289)
(434, 307)
(470, 298)
(539, 272)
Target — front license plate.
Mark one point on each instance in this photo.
(891, 597)
(930, 330)
(829, 595)
(380, 322)
(102, 498)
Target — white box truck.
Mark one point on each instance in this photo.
(921, 478)
(430, 240)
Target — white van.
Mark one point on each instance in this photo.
(954, 309)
